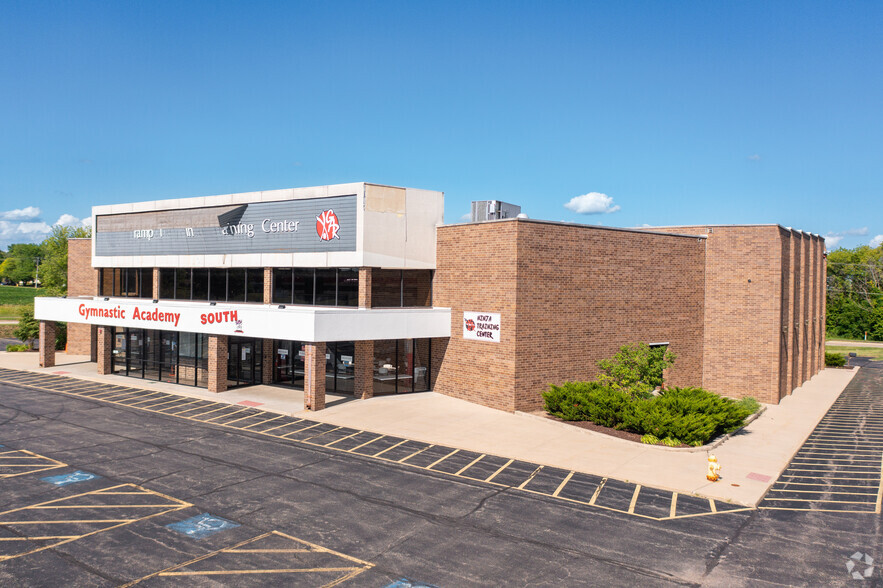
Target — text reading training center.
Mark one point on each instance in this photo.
(362, 289)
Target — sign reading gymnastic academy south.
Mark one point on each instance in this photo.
(290, 226)
(481, 326)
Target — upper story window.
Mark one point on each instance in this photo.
(132, 282)
(214, 284)
(316, 286)
(397, 288)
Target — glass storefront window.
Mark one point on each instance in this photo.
(236, 285)
(401, 366)
(147, 282)
(303, 285)
(182, 283)
(282, 286)
(254, 284)
(326, 287)
(200, 284)
(347, 287)
(167, 283)
(218, 285)
(202, 360)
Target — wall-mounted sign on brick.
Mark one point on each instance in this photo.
(481, 326)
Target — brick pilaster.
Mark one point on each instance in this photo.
(268, 285)
(47, 343)
(268, 362)
(364, 366)
(314, 376)
(217, 363)
(364, 287)
(156, 283)
(105, 350)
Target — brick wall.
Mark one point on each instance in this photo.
(82, 280)
(760, 337)
(568, 296)
(476, 270)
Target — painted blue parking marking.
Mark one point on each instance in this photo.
(406, 583)
(72, 478)
(202, 525)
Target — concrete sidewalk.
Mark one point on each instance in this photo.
(751, 460)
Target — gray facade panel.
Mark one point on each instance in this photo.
(290, 226)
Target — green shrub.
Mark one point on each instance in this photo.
(671, 442)
(688, 416)
(586, 401)
(692, 415)
(834, 359)
(14, 348)
(636, 368)
(749, 404)
(650, 439)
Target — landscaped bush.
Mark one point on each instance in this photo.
(586, 401)
(679, 415)
(22, 347)
(749, 404)
(692, 415)
(834, 359)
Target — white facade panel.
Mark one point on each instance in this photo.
(304, 323)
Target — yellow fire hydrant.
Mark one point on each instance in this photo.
(714, 469)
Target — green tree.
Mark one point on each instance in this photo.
(28, 329)
(53, 269)
(636, 369)
(855, 293)
(20, 264)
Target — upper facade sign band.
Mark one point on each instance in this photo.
(290, 226)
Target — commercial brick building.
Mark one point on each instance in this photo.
(361, 289)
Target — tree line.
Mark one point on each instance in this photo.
(855, 293)
(43, 264)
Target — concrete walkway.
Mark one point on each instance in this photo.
(751, 460)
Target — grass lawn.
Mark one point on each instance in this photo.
(18, 294)
(872, 352)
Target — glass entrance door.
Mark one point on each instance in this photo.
(244, 362)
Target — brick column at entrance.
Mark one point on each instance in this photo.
(217, 363)
(314, 376)
(364, 364)
(105, 350)
(268, 361)
(47, 343)
(364, 287)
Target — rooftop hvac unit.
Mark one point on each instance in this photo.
(484, 210)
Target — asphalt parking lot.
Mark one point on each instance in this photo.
(98, 490)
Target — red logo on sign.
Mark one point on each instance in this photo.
(470, 325)
(327, 225)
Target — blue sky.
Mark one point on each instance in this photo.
(661, 112)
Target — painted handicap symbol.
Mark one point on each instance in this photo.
(406, 583)
(202, 525)
(72, 478)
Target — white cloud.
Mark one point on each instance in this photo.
(876, 241)
(754, 157)
(466, 217)
(69, 220)
(832, 238)
(27, 213)
(592, 203)
(37, 227)
(831, 241)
